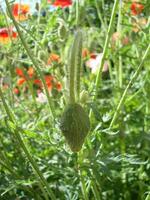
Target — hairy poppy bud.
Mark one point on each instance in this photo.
(75, 125)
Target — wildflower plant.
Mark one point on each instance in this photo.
(74, 99)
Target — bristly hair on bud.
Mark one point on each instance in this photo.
(75, 123)
(74, 67)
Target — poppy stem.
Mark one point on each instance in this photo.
(99, 74)
(77, 12)
(98, 78)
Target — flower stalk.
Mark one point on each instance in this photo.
(135, 75)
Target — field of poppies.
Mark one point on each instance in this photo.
(75, 100)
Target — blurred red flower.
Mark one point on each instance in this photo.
(85, 53)
(16, 90)
(20, 81)
(20, 11)
(19, 72)
(93, 55)
(30, 72)
(6, 34)
(48, 80)
(62, 3)
(58, 86)
(53, 58)
(38, 82)
(136, 8)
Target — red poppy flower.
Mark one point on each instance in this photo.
(48, 80)
(20, 11)
(62, 3)
(6, 34)
(30, 72)
(19, 72)
(136, 8)
(93, 55)
(38, 82)
(85, 53)
(53, 58)
(20, 81)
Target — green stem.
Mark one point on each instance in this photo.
(25, 149)
(95, 191)
(77, 12)
(35, 63)
(83, 186)
(119, 44)
(135, 75)
(100, 16)
(147, 197)
(98, 77)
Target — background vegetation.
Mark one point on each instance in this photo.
(35, 161)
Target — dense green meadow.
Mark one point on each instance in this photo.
(75, 100)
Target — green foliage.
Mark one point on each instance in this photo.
(113, 163)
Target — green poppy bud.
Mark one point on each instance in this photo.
(75, 125)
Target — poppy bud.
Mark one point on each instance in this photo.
(75, 125)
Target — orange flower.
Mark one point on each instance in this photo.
(49, 86)
(136, 8)
(61, 3)
(58, 86)
(38, 82)
(6, 34)
(85, 53)
(20, 81)
(93, 55)
(19, 72)
(20, 11)
(30, 72)
(53, 58)
(49, 80)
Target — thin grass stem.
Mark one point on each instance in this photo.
(98, 77)
(135, 75)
